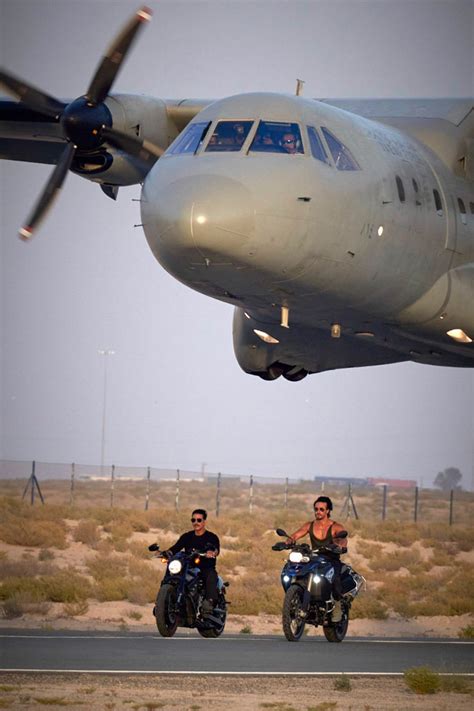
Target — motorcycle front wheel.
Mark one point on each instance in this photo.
(213, 632)
(293, 623)
(336, 631)
(165, 611)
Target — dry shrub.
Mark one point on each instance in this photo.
(138, 550)
(34, 533)
(87, 532)
(111, 589)
(24, 602)
(66, 586)
(370, 550)
(422, 680)
(46, 554)
(102, 567)
(20, 568)
(255, 593)
(368, 606)
(75, 609)
(396, 560)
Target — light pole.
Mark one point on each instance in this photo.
(104, 352)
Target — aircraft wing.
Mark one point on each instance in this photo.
(26, 135)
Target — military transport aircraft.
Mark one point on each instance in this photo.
(341, 231)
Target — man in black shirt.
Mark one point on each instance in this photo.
(201, 540)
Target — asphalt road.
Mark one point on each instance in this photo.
(149, 653)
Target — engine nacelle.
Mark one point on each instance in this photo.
(139, 116)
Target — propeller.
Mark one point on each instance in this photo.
(86, 122)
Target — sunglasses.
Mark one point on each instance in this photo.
(197, 520)
(319, 509)
(289, 140)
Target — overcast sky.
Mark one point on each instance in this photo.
(175, 394)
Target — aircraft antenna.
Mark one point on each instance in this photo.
(299, 87)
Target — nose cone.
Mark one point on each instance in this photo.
(197, 221)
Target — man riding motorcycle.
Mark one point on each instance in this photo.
(201, 539)
(323, 531)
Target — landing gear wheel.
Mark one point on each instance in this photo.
(165, 611)
(293, 623)
(336, 631)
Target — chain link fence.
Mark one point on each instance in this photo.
(144, 488)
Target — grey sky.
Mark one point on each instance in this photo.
(176, 396)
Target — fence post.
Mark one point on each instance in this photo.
(147, 495)
(286, 492)
(218, 494)
(33, 477)
(451, 506)
(251, 494)
(384, 502)
(415, 513)
(112, 484)
(176, 498)
(73, 473)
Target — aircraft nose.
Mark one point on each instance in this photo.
(197, 220)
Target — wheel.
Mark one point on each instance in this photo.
(165, 611)
(293, 623)
(213, 632)
(272, 372)
(296, 377)
(336, 631)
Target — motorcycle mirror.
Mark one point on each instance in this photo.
(281, 532)
(154, 547)
(342, 534)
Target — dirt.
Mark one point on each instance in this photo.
(214, 693)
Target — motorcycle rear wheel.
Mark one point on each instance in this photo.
(336, 631)
(165, 611)
(293, 623)
(213, 632)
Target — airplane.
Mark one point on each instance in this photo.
(342, 231)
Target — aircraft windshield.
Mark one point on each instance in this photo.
(190, 139)
(229, 136)
(277, 137)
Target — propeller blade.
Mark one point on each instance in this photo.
(31, 96)
(110, 65)
(147, 152)
(53, 186)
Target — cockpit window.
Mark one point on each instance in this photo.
(317, 148)
(190, 139)
(229, 136)
(277, 137)
(343, 158)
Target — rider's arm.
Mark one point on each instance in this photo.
(179, 545)
(341, 542)
(299, 533)
(216, 550)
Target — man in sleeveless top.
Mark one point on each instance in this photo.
(323, 531)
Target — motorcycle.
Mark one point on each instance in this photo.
(181, 594)
(306, 578)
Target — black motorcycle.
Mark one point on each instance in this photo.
(181, 594)
(307, 580)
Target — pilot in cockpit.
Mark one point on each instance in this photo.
(289, 143)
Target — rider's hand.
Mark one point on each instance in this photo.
(211, 554)
(290, 541)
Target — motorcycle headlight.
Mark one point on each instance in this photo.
(175, 566)
(295, 557)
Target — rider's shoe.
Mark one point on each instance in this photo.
(337, 611)
(207, 608)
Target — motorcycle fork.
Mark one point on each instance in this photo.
(307, 596)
